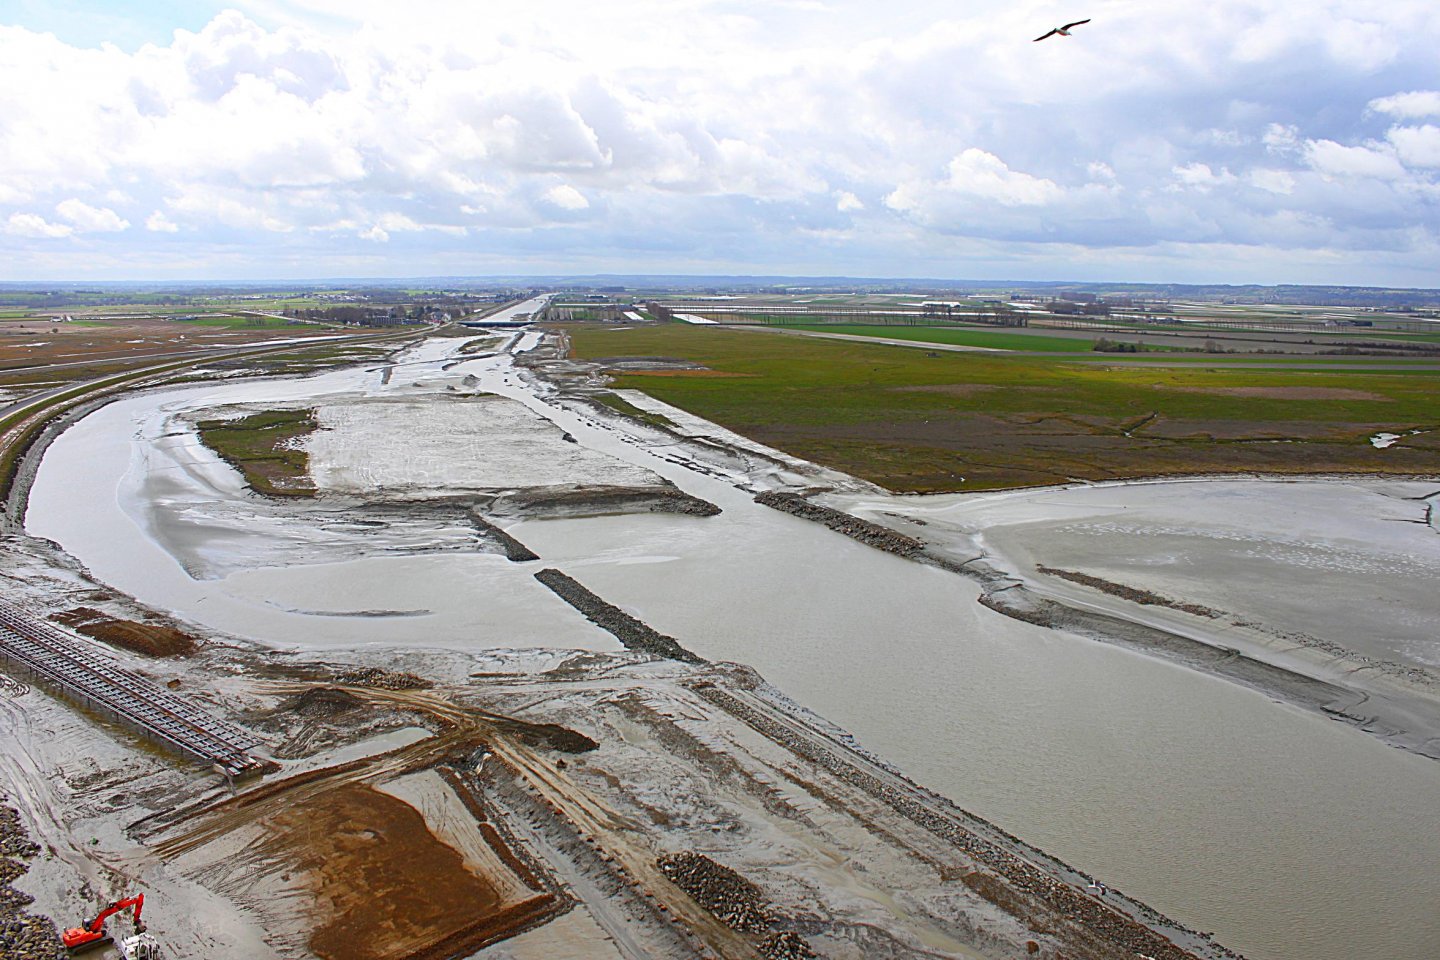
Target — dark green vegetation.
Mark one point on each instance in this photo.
(961, 336)
(917, 420)
(262, 447)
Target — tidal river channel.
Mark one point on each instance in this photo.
(1290, 836)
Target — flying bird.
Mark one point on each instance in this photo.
(1061, 31)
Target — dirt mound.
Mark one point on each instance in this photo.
(322, 703)
(146, 638)
(551, 736)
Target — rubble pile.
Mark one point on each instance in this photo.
(733, 900)
(322, 703)
(381, 679)
(786, 946)
(23, 936)
(631, 633)
(870, 534)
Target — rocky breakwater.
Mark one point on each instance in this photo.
(870, 534)
(597, 500)
(1098, 925)
(514, 550)
(23, 935)
(631, 633)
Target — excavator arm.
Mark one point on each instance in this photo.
(93, 933)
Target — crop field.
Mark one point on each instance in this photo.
(913, 421)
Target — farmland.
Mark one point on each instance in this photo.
(916, 420)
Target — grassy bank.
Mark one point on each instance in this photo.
(263, 448)
(964, 421)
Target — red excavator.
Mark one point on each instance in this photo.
(141, 946)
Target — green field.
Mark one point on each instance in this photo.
(916, 421)
(261, 447)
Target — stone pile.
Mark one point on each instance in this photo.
(786, 946)
(379, 678)
(870, 534)
(23, 936)
(729, 897)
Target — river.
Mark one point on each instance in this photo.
(1290, 836)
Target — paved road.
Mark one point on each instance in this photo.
(855, 338)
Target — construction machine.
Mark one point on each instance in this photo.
(140, 946)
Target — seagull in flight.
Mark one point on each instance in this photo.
(1061, 31)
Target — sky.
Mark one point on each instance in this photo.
(1242, 141)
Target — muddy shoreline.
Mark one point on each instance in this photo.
(1394, 723)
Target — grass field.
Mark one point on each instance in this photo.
(261, 446)
(964, 421)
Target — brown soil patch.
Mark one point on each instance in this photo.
(385, 887)
(1286, 393)
(146, 638)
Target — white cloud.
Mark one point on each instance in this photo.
(1281, 138)
(35, 226)
(157, 222)
(1274, 181)
(975, 174)
(1415, 105)
(1201, 177)
(566, 197)
(1100, 171)
(750, 130)
(88, 219)
(1337, 160)
(1417, 146)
